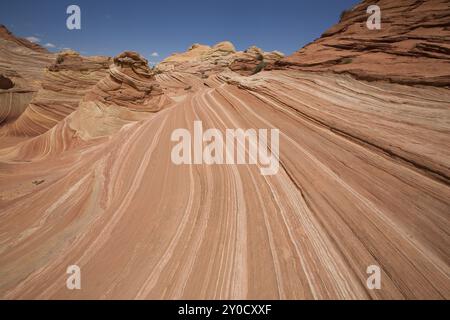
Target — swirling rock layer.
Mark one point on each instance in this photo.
(60, 89)
(7, 35)
(364, 180)
(128, 93)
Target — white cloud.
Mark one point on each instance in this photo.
(49, 45)
(33, 39)
(155, 54)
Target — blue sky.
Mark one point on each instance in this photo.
(167, 26)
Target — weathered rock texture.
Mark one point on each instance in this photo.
(128, 93)
(364, 174)
(61, 87)
(5, 83)
(412, 47)
(7, 35)
(204, 60)
(22, 69)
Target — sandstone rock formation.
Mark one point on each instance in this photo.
(204, 60)
(412, 46)
(87, 179)
(128, 93)
(5, 83)
(7, 35)
(254, 60)
(22, 69)
(59, 90)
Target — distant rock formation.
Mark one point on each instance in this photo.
(204, 60)
(7, 35)
(254, 60)
(130, 83)
(72, 60)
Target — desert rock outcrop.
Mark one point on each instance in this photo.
(22, 70)
(7, 35)
(412, 46)
(87, 177)
(63, 84)
(204, 60)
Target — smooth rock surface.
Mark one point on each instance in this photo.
(86, 176)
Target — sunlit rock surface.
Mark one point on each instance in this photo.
(204, 60)
(86, 176)
(22, 68)
(412, 46)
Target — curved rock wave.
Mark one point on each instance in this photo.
(143, 227)
(363, 180)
